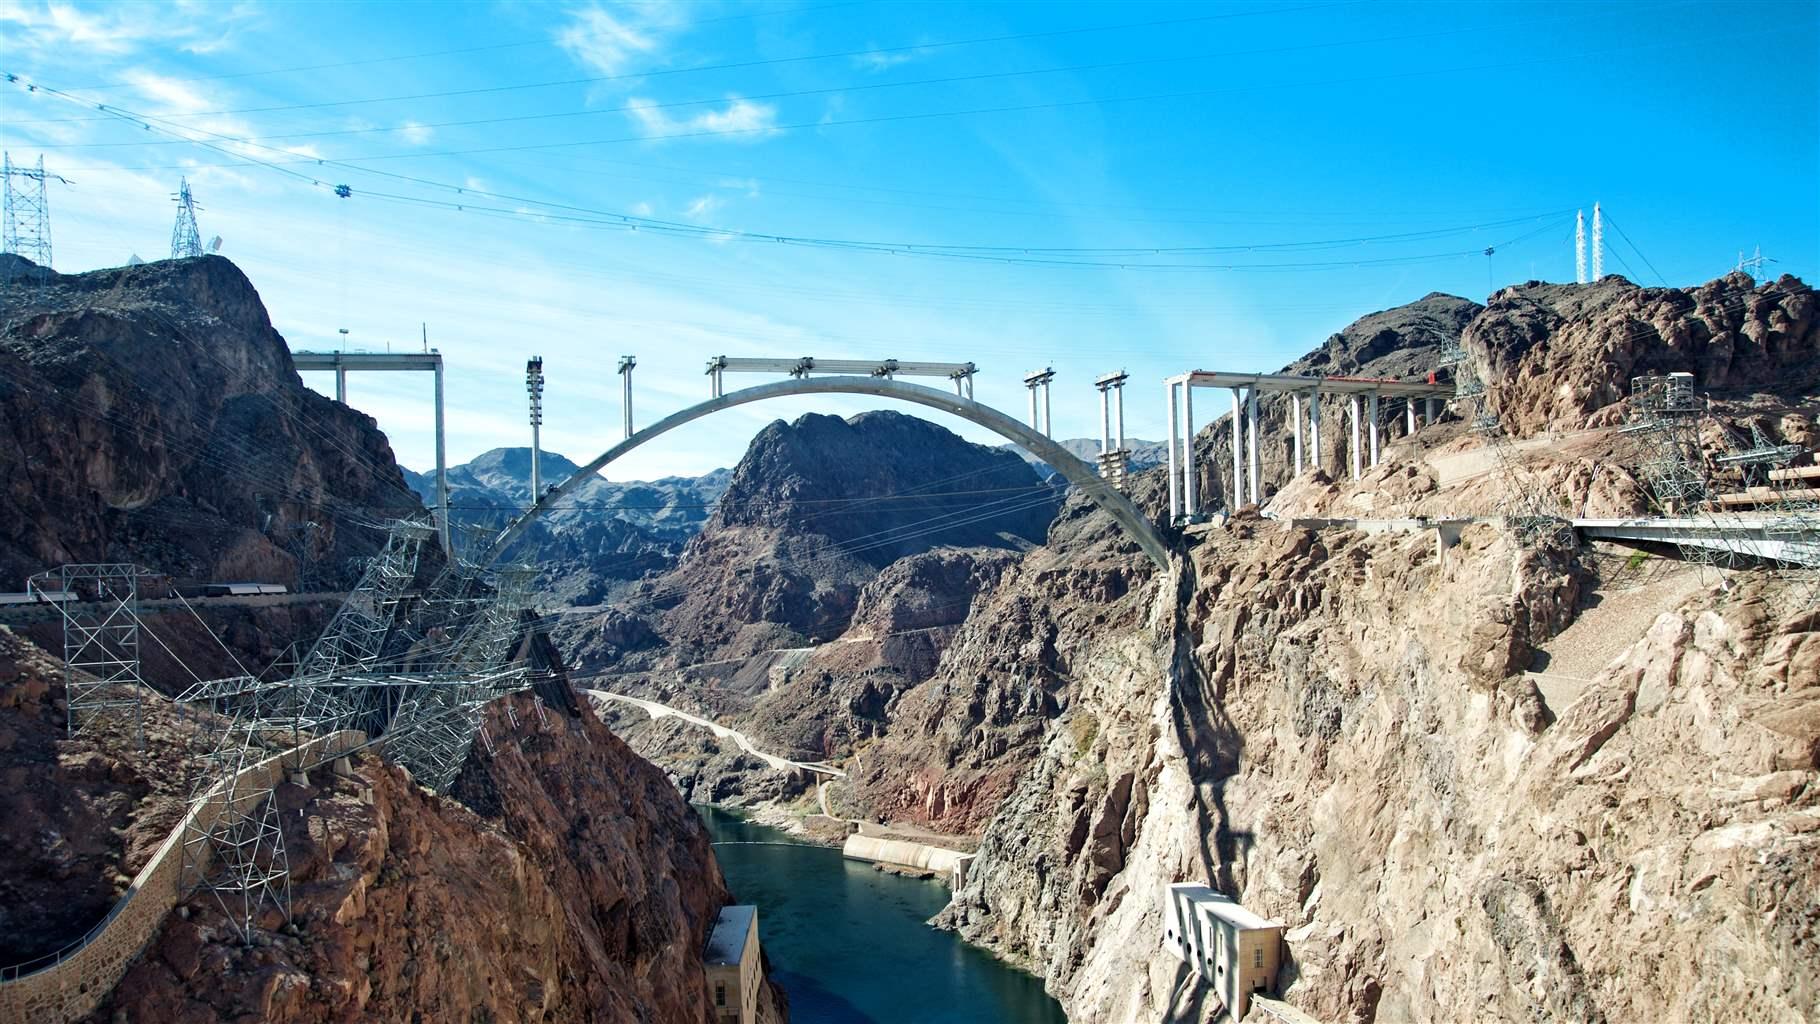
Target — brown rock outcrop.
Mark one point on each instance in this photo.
(1337, 729)
(155, 417)
(571, 884)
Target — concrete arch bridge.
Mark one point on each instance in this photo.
(1077, 472)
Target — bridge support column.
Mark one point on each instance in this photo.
(1314, 428)
(1374, 427)
(1190, 509)
(1295, 421)
(442, 469)
(1409, 417)
(1237, 497)
(1118, 409)
(341, 385)
(1251, 444)
(1434, 410)
(1175, 480)
(1105, 421)
(1352, 419)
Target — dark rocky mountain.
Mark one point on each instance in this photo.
(603, 534)
(153, 415)
(810, 515)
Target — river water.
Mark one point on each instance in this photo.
(848, 942)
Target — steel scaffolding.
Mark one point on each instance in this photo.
(1524, 502)
(99, 605)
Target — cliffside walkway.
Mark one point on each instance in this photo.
(657, 710)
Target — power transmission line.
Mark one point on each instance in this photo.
(762, 62)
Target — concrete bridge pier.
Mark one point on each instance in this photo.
(1175, 481)
(1374, 427)
(1314, 427)
(1352, 419)
(1238, 451)
(1251, 430)
(1295, 421)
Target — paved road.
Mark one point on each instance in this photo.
(657, 710)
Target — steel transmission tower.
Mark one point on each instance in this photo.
(28, 214)
(186, 239)
(1580, 247)
(1598, 244)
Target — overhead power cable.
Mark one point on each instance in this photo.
(1633, 248)
(1122, 258)
(763, 62)
(786, 94)
(457, 51)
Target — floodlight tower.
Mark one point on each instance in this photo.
(186, 239)
(28, 213)
(1579, 246)
(534, 388)
(1598, 244)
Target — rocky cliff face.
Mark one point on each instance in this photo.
(569, 884)
(154, 416)
(1364, 738)
(812, 514)
(1563, 353)
(1338, 730)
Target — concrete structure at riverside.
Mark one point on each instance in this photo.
(1231, 948)
(734, 974)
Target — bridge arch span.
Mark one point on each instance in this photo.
(1074, 470)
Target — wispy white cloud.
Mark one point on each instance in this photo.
(703, 207)
(123, 28)
(741, 120)
(415, 132)
(884, 60)
(642, 208)
(607, 38)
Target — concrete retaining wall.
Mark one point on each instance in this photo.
(73, 985)
(951, 864)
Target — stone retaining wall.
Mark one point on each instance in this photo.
(74, 985)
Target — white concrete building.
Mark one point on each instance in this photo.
(1231, 948)
(734, 971)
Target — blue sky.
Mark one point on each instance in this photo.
(1315, 160)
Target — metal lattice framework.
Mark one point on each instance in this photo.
(101, 666)
(237, 853)
(356, 637)
(186, 238)
(1524, 503)
(1666, 416)
(27, 211)
(1665, 419)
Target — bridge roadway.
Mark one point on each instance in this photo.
(657, 710)
(1769, 538)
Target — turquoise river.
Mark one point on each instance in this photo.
(850, 944)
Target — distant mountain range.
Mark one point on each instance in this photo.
(602, 533)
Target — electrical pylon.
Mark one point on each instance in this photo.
(186, 238)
